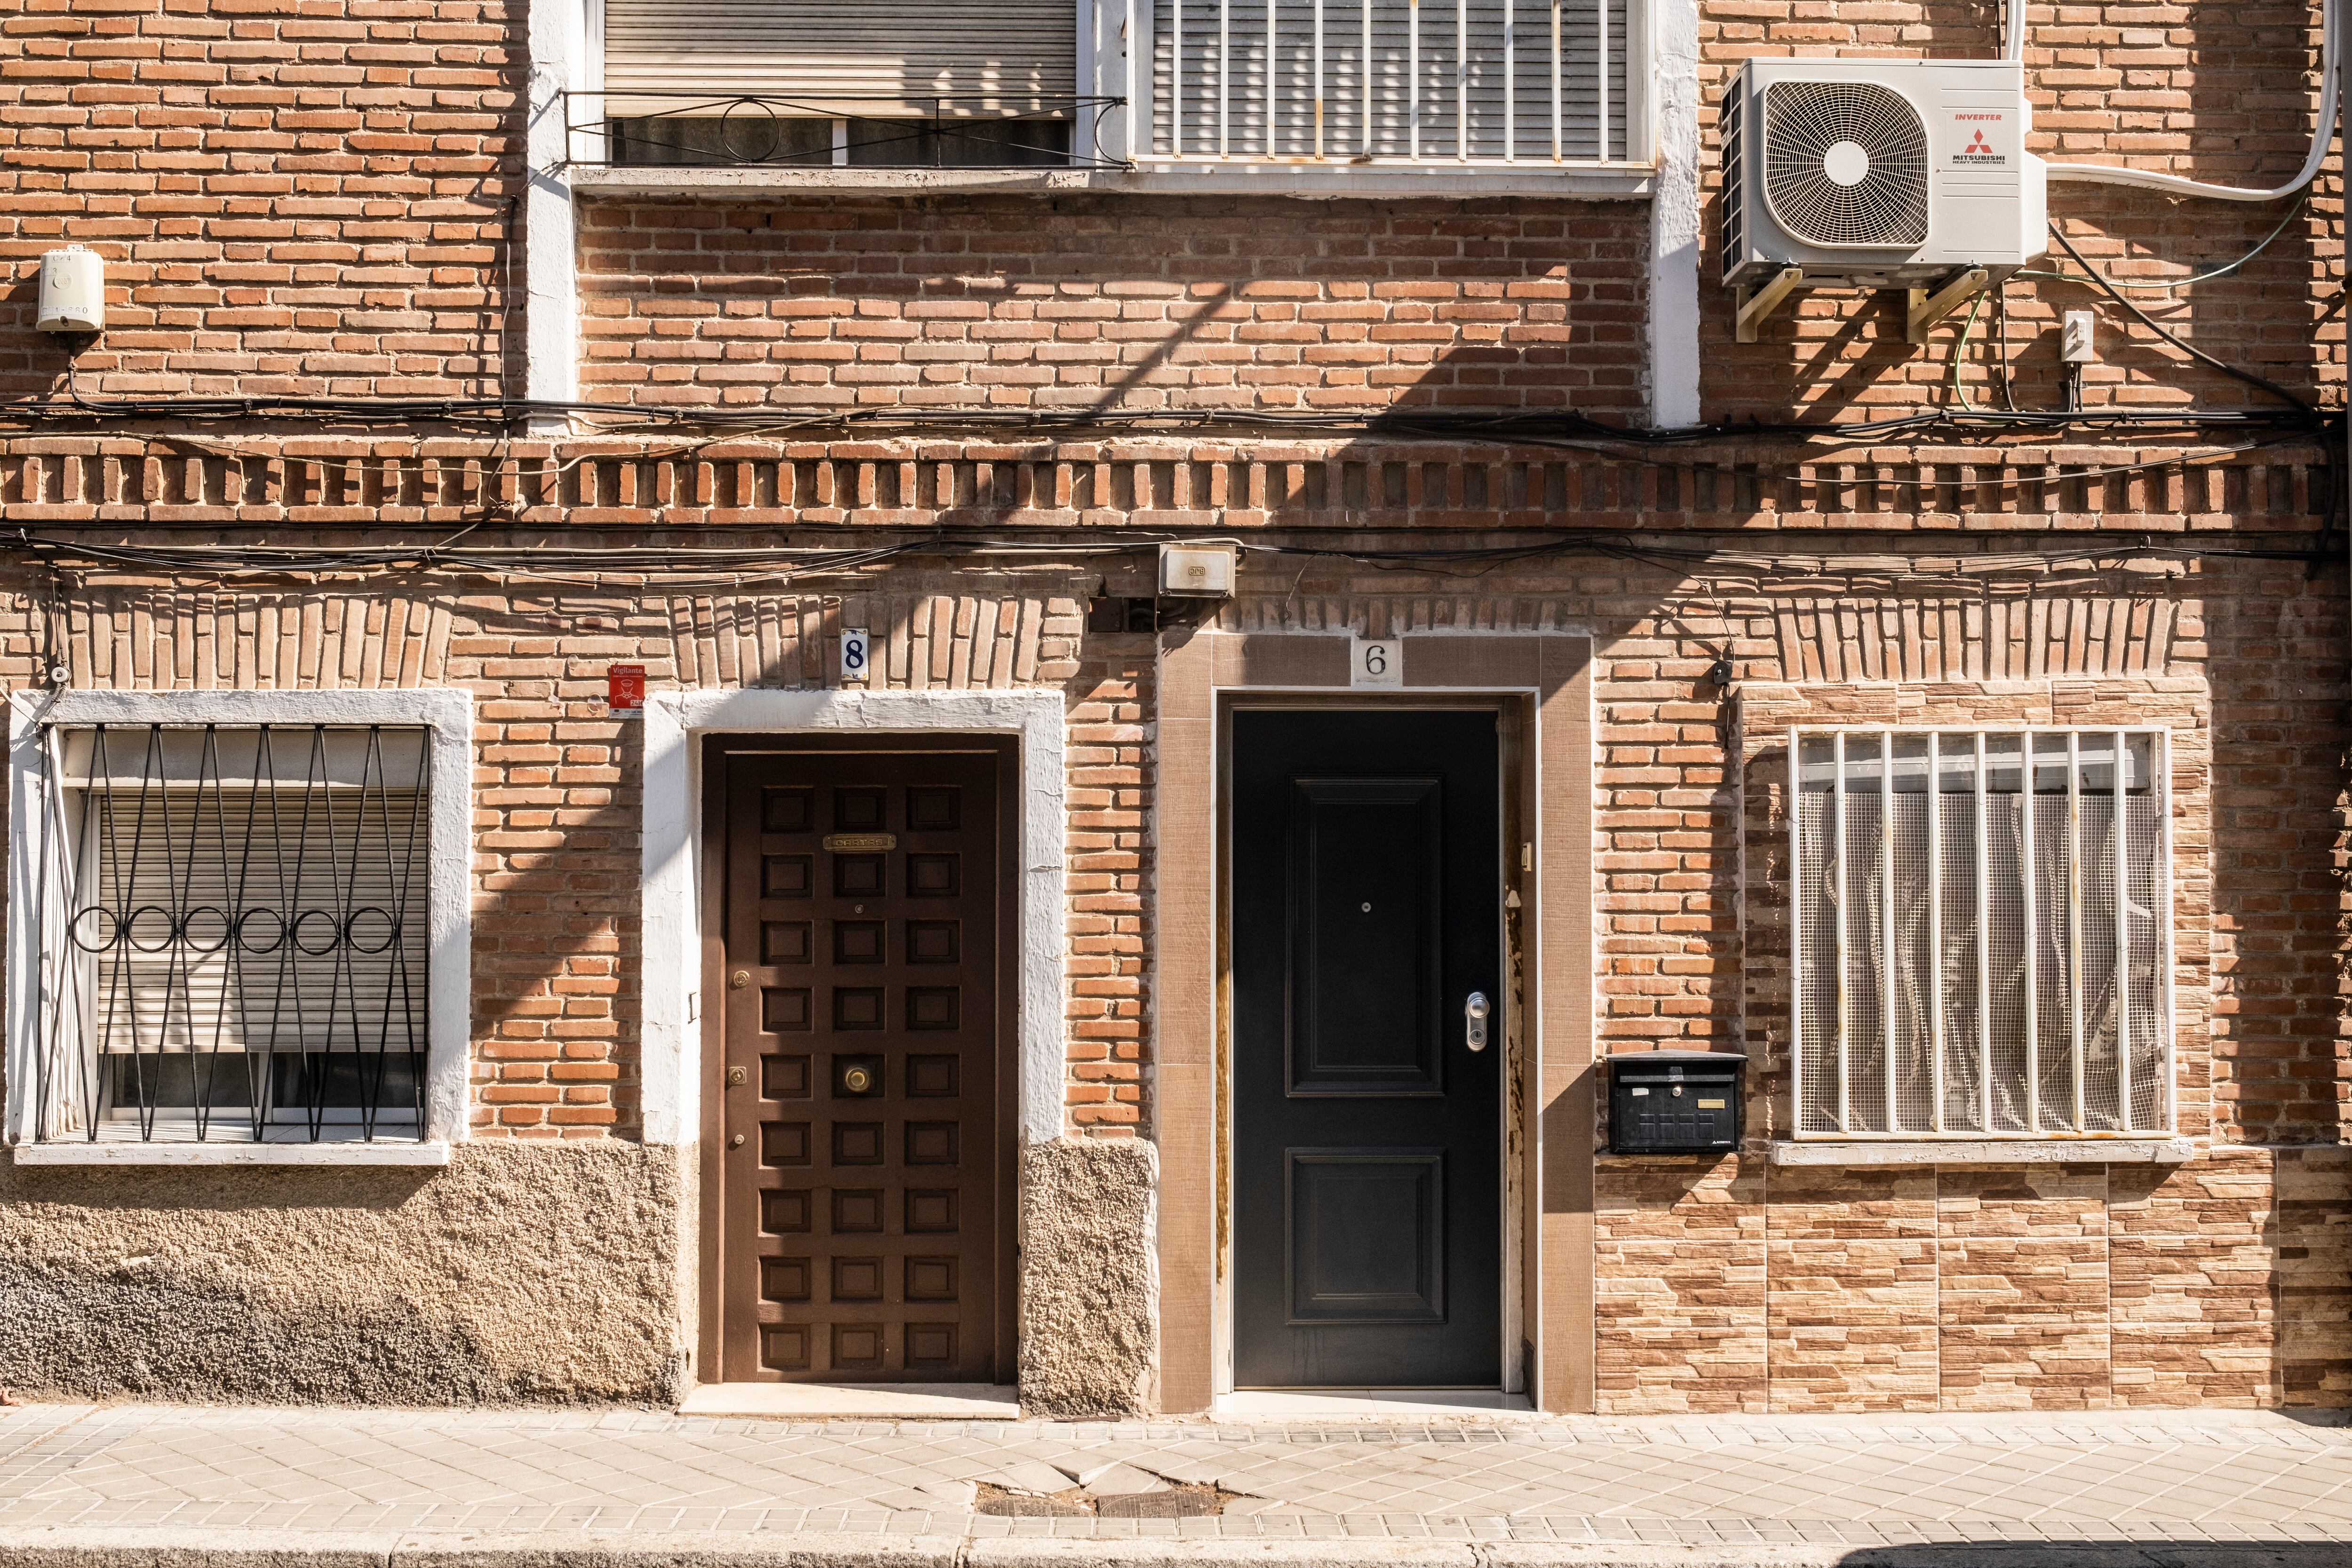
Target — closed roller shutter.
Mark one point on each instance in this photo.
(844, 57)
(1483, 71)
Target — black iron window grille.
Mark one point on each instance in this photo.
(235, 932)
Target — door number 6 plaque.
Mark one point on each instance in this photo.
(1375, 661)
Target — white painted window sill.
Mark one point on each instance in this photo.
(1326, 181)
(1987, 1152)
(353, 1152)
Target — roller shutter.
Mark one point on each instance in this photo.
(844, 57)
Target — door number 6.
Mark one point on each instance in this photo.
(1375, 661)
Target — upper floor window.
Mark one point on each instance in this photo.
(1330, 84)
(1370, 81)
(1982, 937)
(959, 83)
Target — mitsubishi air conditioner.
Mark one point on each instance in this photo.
(1878, 174)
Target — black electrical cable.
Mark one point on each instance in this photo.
(1518, 427)
(2117, 295)
(671, 567)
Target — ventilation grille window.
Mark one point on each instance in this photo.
(1845, 164)
(1982, 935)
(236, 934)
(1391, 80)
(1735, 178)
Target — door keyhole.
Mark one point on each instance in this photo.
(1474, 1021)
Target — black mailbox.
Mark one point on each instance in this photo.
(1674, 1102)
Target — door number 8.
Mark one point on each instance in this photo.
(853, 651)
(1375, 661)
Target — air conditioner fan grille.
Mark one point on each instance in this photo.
(1845, 164)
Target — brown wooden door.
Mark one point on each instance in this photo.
(860, 1101)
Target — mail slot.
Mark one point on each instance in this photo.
(1674, 1102)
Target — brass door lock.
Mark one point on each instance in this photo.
(739, 979)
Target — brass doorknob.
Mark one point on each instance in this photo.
(739, 979)
(858, 1080)
(736, 1142)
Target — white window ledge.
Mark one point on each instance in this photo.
(1328, 183)
(1988, 1152)
(332, 1152)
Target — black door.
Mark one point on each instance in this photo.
(1367, 1133)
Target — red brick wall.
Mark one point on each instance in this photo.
(292, 197)
(2169, 86)
(1115, 301)
(558, 786)
(1727, 1286)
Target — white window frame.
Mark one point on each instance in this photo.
(2033, 1143)
(447, 714)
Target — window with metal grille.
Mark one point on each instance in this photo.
(235, 942)
(1982, 933)
(1503, 82)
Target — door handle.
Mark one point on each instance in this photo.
(1474, 1021)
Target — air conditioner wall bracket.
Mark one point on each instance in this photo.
(1756, 304)
(1926, 309)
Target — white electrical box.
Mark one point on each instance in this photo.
(1197, 571)
(1878, 173)
(73, 291)
(2076, 342)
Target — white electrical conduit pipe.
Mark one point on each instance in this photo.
(2173, 185)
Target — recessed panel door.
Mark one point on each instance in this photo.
(1367, 1059)
(859, 1087)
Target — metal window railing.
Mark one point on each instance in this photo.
(1981, 933)
(234, 933)
(1373, 81)
(641, 128)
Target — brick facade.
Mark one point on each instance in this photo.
(2147, 85)
(1107, 303)
(294, 198)
(316, 199)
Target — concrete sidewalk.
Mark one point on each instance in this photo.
(101, 1485)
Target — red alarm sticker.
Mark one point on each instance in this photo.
(625, 689)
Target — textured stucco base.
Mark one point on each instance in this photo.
(519, 1272)
(1089, 1278)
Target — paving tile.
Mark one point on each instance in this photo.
(1733, 1480)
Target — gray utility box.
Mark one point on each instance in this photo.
(1674, 1102)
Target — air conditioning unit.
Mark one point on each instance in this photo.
(1878, 173)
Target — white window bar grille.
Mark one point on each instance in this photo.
(1982, 937)
(1497, 82)
(235, 932)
